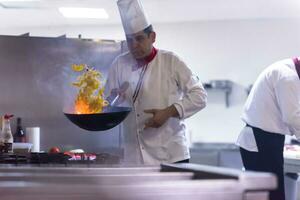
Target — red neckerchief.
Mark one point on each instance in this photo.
(297, 66)
(144, 61)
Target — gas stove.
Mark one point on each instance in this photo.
(59, 159)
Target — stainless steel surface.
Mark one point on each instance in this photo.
(181, 181)
(216, 154)
(111, 180)
(79, 169)
(291, 165)
(249, 180)
(228, 155)
(292, 169)
(217, 190)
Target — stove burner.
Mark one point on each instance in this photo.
(58, 158)
(41, 158)
(12, 158)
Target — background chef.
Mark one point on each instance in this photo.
(272, 111)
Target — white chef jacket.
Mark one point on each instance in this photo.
(273, 104)
(167, 80)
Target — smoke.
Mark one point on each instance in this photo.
(54, 76)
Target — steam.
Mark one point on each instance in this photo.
(55, 76)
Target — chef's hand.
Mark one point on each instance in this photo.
(113, 96)
(160, 116)
(118, 91)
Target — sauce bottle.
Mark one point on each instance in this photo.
(1, 135)
(19, 135)
(7, 135)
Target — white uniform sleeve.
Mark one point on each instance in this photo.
(112, 80)
(287, 91)
(195, 97)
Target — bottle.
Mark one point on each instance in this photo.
(1, 135)
(19, 135)
(7, 135)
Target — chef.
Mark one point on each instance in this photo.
(162, 92)
(272, 111)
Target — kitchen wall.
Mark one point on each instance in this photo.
(235, 50)
(36, 79)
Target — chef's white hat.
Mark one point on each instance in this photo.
(133, 16)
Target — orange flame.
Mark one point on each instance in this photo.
(89, 98)
(81, 107)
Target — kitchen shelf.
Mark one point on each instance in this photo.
(223, 85)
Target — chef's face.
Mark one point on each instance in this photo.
(140, 44)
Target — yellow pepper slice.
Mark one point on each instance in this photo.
(78, 68)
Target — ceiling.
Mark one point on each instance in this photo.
(45, 12)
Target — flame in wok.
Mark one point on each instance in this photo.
(81, 107)
(90, 95)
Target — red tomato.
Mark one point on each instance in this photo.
(54, 150)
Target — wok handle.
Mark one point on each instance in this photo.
(112, 103)
(122, 89)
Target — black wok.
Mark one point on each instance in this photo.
(109, 118)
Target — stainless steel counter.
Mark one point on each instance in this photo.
(227, 154)
(292, 169)
(291, 165)
(181, 181)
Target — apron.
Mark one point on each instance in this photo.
(269, 157)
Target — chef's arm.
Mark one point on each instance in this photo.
(172, 111)
(160, 116)
(117, 95)
(287, 92)
(112, 82)
(114, 89)
(195, 96)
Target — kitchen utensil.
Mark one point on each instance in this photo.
(120, 91)
(109, 118)
(113, 102)
(21, 147)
